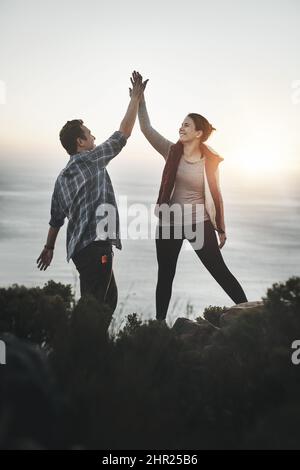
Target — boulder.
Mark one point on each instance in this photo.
(192, 332)
(240, 309)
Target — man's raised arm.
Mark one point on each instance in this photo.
(138, 87)
(103, 153)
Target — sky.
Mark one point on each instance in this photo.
(236, 62)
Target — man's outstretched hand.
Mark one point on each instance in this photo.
(138, 86)
(44, 259)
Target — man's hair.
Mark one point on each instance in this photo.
(70, 133)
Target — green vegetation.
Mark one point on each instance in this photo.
(153, 387)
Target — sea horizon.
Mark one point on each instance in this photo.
(262, 248)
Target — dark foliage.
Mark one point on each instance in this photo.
(152, 387)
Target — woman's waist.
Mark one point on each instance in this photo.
(189, 199)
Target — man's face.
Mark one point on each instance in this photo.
(88, 143)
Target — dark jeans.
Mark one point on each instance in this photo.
(167, 251)
(96, 276)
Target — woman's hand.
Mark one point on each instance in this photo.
(222, 239)
(138, 86)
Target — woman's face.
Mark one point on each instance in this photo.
(188, 132)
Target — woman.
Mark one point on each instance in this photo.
(190, 179)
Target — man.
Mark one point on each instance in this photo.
(82, 189)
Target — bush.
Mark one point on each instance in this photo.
(147, 389)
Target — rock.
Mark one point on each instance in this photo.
(193, 332)
(240, 309)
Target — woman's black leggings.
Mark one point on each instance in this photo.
(167, 251)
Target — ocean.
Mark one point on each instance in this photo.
(263, 226)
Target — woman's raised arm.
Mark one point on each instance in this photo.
(160, 143)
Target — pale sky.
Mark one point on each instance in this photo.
(236, 62)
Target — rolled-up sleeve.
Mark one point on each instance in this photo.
(57, 215)
(103, 153)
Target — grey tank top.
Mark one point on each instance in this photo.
(189, 189)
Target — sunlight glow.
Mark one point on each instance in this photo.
(261, 158)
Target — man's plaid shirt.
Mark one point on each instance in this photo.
(80, 188)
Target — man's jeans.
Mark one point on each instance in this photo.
(94, 264)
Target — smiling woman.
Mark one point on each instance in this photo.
(190, 180)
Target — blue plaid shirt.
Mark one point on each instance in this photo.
(80, 188)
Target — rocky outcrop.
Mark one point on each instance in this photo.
(240, 309)
(193, 332)
(198, 332)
